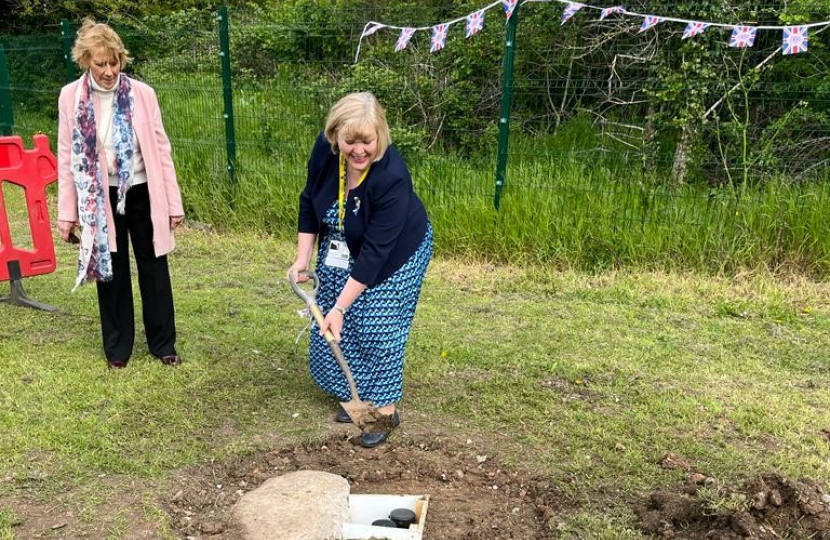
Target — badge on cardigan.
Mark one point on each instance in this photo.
(338, 255)
(356, 205)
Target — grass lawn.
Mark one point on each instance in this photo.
(587, 379)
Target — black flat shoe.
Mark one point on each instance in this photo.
(171, 360)
(343, 417)
(116, 364)
(371, 440)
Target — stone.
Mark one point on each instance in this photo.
(697, 478)
(212, 527)
(303, 505)
(759, 500)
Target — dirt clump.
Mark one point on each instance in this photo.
(768, 507)
(472, 495)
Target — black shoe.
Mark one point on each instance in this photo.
(171, 360)
(342, 416)
(116, 364)
(370, 440)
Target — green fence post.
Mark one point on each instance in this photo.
(506, 103)
(6, 109)
(227, 90)
(66, 35)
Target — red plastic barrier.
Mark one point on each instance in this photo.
(33, 170)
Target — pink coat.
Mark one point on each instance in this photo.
(165, 197)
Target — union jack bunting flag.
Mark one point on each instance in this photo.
(694, 29)
(403, 39)
(439, 37)
(608, 11)
(372, 29)
(796, 39)
(743, 36)
(649, 21)
(509, 6)
(570, 10)
(475, 22)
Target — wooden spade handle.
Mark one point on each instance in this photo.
(335, 349)
(308, 298)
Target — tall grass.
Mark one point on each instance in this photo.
(566, 202)
(585, 219)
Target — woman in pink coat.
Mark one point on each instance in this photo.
(116, 181)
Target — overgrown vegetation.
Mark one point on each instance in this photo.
(625, 149)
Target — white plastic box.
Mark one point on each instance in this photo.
(364, 509)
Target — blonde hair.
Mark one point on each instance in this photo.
(94, 37)
(358, 115)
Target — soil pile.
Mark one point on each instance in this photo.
(769, 507)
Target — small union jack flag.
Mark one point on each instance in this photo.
(372, 29)
(403, 39)
(608, 11)
(743, 36)
(694, 29)
(475, 22)
(649, 21)
(439, 37)
(571, 10)
(796, 39)
(509, 6)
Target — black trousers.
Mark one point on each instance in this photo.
(115, 298)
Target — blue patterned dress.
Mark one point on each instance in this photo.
(375, 328)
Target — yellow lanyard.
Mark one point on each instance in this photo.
(341, 193)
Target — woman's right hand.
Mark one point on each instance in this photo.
(298, 270)
(65, 229)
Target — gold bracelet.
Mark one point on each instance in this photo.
(339, 309)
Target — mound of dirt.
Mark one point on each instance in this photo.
(769, 507)
(472, 495)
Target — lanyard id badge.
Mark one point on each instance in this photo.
(338, 255)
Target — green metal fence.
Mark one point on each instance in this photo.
(564, 133)
(6, 109)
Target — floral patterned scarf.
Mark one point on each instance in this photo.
(95, 259)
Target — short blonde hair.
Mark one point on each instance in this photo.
(358, 115)
(94, 37)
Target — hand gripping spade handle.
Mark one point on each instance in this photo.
(363, 413)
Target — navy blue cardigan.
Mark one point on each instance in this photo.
(388, 225)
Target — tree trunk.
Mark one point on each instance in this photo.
(682, 154)
(648, 138)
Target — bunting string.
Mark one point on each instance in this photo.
(795, 38)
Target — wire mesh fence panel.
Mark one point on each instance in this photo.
(693, 149)
(626, 146)
(179, 58)
(36, 70)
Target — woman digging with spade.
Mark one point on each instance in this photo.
(375, 243)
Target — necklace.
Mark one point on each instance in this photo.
(103, 140)
(101, 91)
(343, 190)
(108, 121)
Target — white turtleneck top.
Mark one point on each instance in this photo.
(104, 128)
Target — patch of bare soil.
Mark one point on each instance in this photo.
(769, 507)
(472, 495)
(118, 510)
